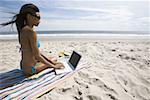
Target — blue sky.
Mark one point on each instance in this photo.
(121, 15)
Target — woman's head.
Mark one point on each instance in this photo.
(33, 19)
(28, 15)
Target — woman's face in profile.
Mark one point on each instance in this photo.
(34, 18)
(37, 19)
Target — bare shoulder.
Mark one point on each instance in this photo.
(27, 30)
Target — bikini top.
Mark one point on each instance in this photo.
(38, 45)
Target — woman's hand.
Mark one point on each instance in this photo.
(56, 62)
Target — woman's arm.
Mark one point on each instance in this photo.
(53, 62)
(46, 58)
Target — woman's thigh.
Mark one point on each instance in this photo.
(28, 71)
(52, 58)
(40, 67)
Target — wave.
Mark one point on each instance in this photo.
(82, 32)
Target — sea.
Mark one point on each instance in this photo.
(79, 33)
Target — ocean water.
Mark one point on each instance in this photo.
(79, 33)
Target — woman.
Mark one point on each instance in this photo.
(32, 60)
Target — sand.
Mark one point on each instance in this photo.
(118, 70)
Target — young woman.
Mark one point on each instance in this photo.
(32, 61)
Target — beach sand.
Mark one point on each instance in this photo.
(118, 70)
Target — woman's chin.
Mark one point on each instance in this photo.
(37, 24)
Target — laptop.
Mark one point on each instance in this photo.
(70, 64)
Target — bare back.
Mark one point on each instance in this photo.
(28, 57)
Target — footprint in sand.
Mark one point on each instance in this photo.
(142, 92)
(77, 98)
(123, 56)
(85, 80)
(94, 81)
(65, 89)
(81, 82)
(112, 97)
(92, 97)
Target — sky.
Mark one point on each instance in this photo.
(109, 15)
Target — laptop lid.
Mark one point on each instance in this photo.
(74, 60)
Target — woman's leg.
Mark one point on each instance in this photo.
(40, 67)
(54, 59)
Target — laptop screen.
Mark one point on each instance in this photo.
(74, 59)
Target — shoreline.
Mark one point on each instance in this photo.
(81, 37)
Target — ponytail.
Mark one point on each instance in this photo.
(19, 20)
(20, 23)
(10, 22)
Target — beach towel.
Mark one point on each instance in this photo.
(14, 85)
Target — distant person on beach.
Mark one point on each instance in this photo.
(32, 61)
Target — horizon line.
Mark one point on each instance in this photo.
(82, 31)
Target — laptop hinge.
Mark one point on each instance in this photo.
(71, 65)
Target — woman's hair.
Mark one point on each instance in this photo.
(21, 19)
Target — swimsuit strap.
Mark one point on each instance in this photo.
(38, 45)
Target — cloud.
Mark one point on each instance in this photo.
(99, 13)
(142, 24)
(88, 14)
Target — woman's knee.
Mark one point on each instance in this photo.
(41, 67)
(52, 58)
(27, 73)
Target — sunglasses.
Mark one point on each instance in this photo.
(35, 15)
